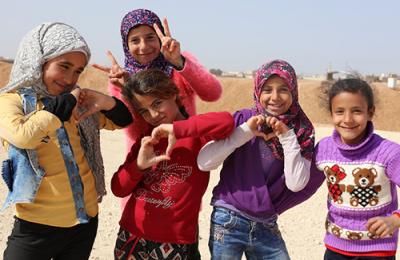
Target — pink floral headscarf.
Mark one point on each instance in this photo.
(294, 118)
(135, 18)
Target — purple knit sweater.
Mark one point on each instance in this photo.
(252, 181)
(361, 181)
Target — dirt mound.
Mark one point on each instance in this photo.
(238, 94)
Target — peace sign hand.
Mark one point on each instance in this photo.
(170, 48)
(116, 74)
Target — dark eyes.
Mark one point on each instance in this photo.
(143, 112)
(157, 104)
(148, 38)
(63, 66)
(66, 67)
(281, 90)
(356, 111)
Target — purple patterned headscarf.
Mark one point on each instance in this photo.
(131, 20)
(294, 118)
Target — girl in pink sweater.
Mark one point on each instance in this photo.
(147, 43)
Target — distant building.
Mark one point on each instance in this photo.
(233, 74)
(8, 60)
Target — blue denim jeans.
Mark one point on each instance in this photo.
(231, 235)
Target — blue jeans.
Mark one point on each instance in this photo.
(231, 235)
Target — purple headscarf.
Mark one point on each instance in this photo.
(131, 20)
(294, 118)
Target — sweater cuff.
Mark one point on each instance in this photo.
(289, 140)
(242, 134)
(183, 64)
(119, 114)
(61, 106)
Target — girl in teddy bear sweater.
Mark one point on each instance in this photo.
(361, 171)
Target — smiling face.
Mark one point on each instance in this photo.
(60, 74)
(143, 44)
(350, 115)
(156, 110)
(275, 96)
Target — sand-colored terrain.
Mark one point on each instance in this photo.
(302, 227)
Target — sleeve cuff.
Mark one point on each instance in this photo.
(119, 114)
(183, 64)
(289, 140)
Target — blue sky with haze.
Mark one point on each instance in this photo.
(234, 35)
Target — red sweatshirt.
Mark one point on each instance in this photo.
(165, 201)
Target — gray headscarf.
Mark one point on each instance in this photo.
(43, 43)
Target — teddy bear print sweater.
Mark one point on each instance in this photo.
(361, 181)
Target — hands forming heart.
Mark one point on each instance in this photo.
(89, 102)
(147, 156)
(256, 123)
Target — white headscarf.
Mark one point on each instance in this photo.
(41, 44)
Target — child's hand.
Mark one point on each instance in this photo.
(170, 48)
(116, 74)
(383, 226)
(76, 93)
(254, 124)
(146, 156)
(278, 127)
(93, 101)
(165, 131)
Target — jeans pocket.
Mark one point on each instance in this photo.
(223, 218)
(7, 173)
(273, 228)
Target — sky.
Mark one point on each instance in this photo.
(233, 35)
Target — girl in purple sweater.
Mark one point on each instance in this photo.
(265, 172)
(362, 171)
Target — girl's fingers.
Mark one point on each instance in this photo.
(112, 58)
(172, 45)
(117, 83)
(166, 28)
(166, 42)
(119, 75)
(102, 68)
(271, 120)
(373, 227)
(175, 45)
(160, 158)
(145, 139)
(261, 134)
(171, 144)
(269, 136)
(386, 233)
(158, 31)
(380, 230)
(370, 222)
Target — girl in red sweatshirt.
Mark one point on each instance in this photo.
(161, 174)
